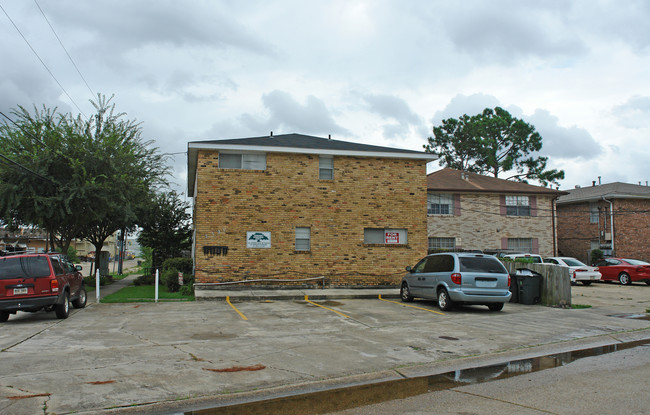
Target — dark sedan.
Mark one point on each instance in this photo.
(626, 271)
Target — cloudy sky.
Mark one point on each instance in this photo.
(375, 72)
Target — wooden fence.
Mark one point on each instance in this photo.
(556, 282)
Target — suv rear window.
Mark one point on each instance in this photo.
(24, 267)
(489, 265)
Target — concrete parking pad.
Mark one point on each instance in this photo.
(153, 358)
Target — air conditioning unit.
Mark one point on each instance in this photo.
(608, 236)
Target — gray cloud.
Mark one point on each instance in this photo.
(563, 142)
(465, 104)
(634, 113)
(393, 108)
(506, 32)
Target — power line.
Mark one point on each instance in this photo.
(14, 163)
(41, 60)
(66, 51)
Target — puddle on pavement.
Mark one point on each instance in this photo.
(324, 401)
(632, 316)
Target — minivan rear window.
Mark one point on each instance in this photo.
(24, 267)
(489, 265)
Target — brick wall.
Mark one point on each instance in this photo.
(480, 224)
(631, 228)
(365, 193)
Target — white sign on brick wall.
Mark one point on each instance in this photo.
(258, 240)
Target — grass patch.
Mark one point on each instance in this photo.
(579, 306)
(144, 293)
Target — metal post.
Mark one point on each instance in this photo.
(156, 282)
(97, 285)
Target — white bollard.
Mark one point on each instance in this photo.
(97, 285)
(156, 286)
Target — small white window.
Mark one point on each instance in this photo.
(442, 243)
(517, 206)
(387, 236)
(520, 244)
(440, 204)
(303, 239)
(244, 161)
(326, 168)
(593, 212)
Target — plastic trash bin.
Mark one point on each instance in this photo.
(514, 288)
(530, 286)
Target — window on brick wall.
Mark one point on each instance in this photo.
(437, 243)
(517, 206)
(520, 244)
(593, 212)
(303, 239)
(385, 236)
(243, 161)
(326, 168)
(440, 204)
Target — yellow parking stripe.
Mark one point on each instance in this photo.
(326, 308)
(235, 308)
(412, 306)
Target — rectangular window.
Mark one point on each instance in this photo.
(326, 168)
(244, 161)
(440, 204)
(593, 212)
(387, 236)
(521, 244)
(517, 206)
(303, 239)
(442, 243)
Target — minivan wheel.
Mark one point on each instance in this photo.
(63, 310)
(624, 278)
(405, 293)
(444, 302)
(80, 302)
(495, 306)
(4, 316)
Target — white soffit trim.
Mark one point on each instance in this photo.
(300, 150)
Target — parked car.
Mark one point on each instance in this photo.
(626, 271)
(458, 278)
(534, 258)
(36, 282)
(577, 270)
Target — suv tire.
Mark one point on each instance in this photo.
(80, 302)
(444, 302)
(63, 310)
(4, 316)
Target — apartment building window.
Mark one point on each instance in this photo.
(520, 244)
(442, 243)
(593, 212)
(303, 239)
(385, 236)
(243, 161)
(517, 206)
(440, 204)
(326, 168)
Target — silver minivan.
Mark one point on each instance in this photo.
(458, 278)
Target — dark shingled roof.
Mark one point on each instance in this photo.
(300, 141)
(616, 190)
(452, 180)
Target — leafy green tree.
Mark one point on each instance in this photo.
(166, 227)
(492, 142)
(77, 178)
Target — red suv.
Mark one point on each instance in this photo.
(31, 282)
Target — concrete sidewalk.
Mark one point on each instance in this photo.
(173, 357)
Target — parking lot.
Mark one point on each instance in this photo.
(173, 354)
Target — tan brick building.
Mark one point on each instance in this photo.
(613, 217)
(468, 211)
(295, 207)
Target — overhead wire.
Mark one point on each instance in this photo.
(64, 48)
(42, 62)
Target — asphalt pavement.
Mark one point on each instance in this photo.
(170, 357)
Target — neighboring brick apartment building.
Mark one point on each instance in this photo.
(613, 217)
(293, 207)
(468, 211)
